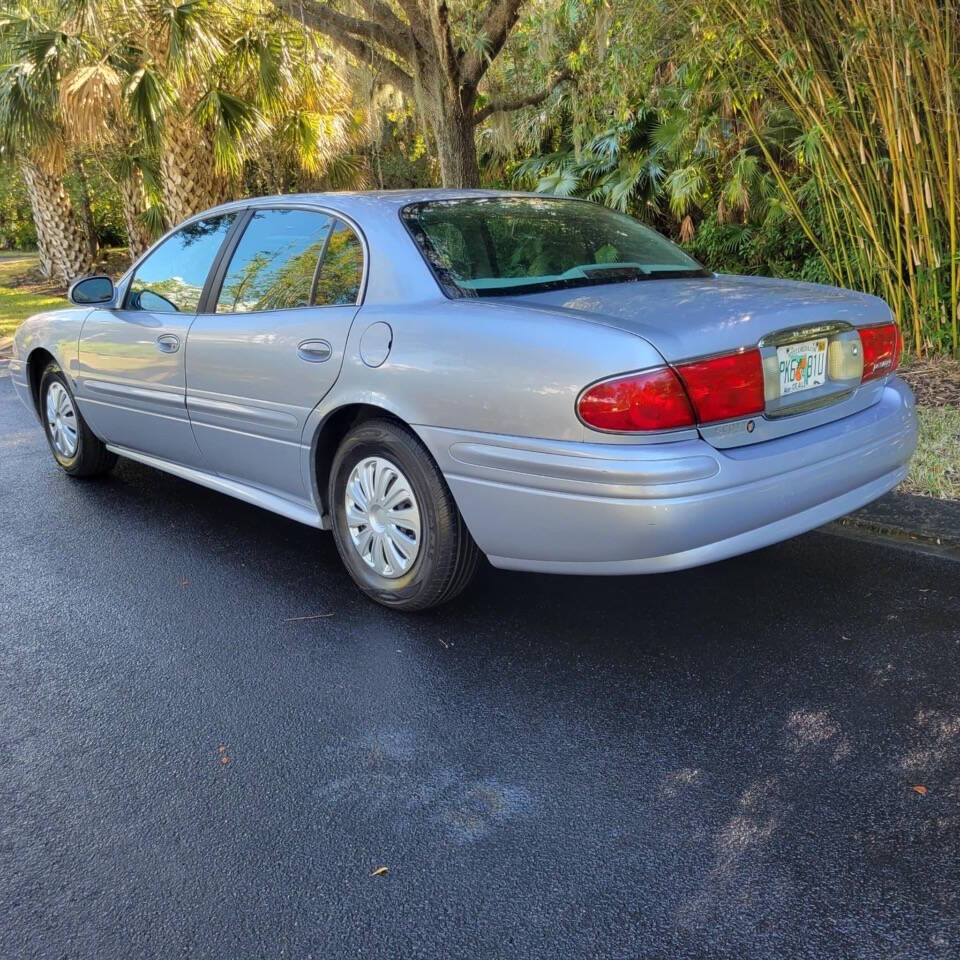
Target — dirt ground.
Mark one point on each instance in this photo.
(935, 381)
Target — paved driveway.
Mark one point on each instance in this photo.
(711, 763)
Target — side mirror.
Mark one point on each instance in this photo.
(91, 290)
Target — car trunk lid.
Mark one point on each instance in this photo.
(694, 317)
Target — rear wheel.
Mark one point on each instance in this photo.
(397, 528)
(72, 443)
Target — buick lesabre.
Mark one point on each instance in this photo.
(436, 376)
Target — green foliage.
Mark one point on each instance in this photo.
(935, 468)
(16, 221)
(873, 89)
(104, 202)
(777, 247)
(808, 140)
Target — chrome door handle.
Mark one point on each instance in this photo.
(168, 343)
(314, 351)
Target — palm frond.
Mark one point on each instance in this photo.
(89, 97)
(149, 94)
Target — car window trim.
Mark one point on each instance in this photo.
(323, 253)
(211, 303)
(216, 288)
(135, 269)
(338, 221)
(208, 300)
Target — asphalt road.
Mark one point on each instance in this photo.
(716, 763)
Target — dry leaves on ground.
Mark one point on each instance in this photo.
(935, 380)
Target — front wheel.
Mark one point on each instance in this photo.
(72, 442)
(397, 528)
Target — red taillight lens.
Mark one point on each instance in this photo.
(724, 388)
(651, 400)
(881, 350)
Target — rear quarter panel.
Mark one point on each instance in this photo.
(471, 365)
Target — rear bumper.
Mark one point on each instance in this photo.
(590, 508)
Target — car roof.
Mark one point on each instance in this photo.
(396, 269)
(353, 202)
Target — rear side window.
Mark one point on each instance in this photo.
(341, 272)
(171, 279)
(275, 264)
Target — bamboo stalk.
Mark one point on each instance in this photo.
(872, 82)
(952, 193)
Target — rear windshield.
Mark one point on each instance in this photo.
(491, 246)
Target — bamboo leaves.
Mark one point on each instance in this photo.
(874, 88)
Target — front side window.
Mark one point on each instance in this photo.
(171, 278)
(275, 264)
(341, 272)
(494, 246)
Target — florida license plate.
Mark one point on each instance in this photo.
(803, 366)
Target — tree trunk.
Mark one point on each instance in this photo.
(64, 253)
(187, 170)
(134, 203)
(86, 210)
(457, 151)
(449, 112)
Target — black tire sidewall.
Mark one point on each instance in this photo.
(51, 374)
(381, 439)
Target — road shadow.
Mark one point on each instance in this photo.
(721, 760)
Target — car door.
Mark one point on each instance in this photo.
(132, 382)
(271, 343)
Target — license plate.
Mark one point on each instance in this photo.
(803, 366)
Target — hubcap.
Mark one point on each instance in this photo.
(62, 420)
(383, 517)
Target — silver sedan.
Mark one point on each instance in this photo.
(436, 375)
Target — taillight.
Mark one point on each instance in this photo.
(724, 388)
(704, 391)
(650, 400)
(881, 350)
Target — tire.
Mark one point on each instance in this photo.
(72, 443)
(419, 575)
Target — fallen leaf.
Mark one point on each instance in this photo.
(184, 583)
(922, 790)
(221, 749)
(380, 872)
(224, 759)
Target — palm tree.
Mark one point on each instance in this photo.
(36, 52)
(138, 90)
(94, 116)
(136, 180)
(676, 153)
(206, 87)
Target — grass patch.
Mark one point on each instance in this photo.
(935, 469)
(20, 300)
